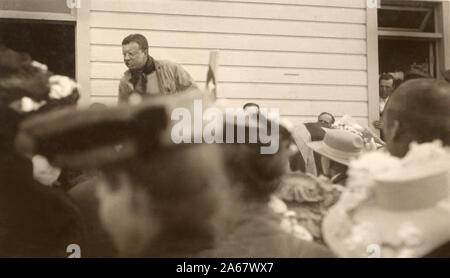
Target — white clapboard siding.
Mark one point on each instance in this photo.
(321, 3)
(297, 108)
(241, 58)
(292, 92)
(301, 56)
(112, 101)
(227, 25)
(108, 70)
(210, 41)
(248, 74)
(302, 107)
(236, 10)
(108, 87)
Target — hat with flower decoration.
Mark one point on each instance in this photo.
(27, 87)
(87, 138)
(393, 207)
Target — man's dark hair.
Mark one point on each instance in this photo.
(329, 114)
(386, 76)
(137, 38)
(248, 104)
(422, 108)
(257, 174)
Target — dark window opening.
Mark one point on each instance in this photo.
(408, 38)
(412, 19)
(399, 55)
(48, 42)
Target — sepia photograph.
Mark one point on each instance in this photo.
(223, 129)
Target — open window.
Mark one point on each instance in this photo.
(413, 18)
(408, 38)
(45, 29)
(48, 42)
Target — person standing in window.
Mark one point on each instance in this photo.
(386, 82)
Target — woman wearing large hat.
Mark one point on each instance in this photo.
(35, 220)
(393, 207)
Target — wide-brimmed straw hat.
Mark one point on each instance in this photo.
(399, 212)
(339, 145)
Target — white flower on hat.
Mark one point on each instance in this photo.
(347, 123)
(291, 226)
(277, 205)
(301, 233)
(43, 171)
(40, 66)
(28, 105)
(61, 86)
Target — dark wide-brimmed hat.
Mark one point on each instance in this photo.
(24, 82)
(26, 88)
(96, 138)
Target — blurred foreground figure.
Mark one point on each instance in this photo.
(419, 111)
(447, 75)
(256, 230)
(156, 198)
(397, 204)
(35, 220)
(394, 207)
(161, 199)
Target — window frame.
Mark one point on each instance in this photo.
(442, 49)
(80, 16)
(428, 11)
